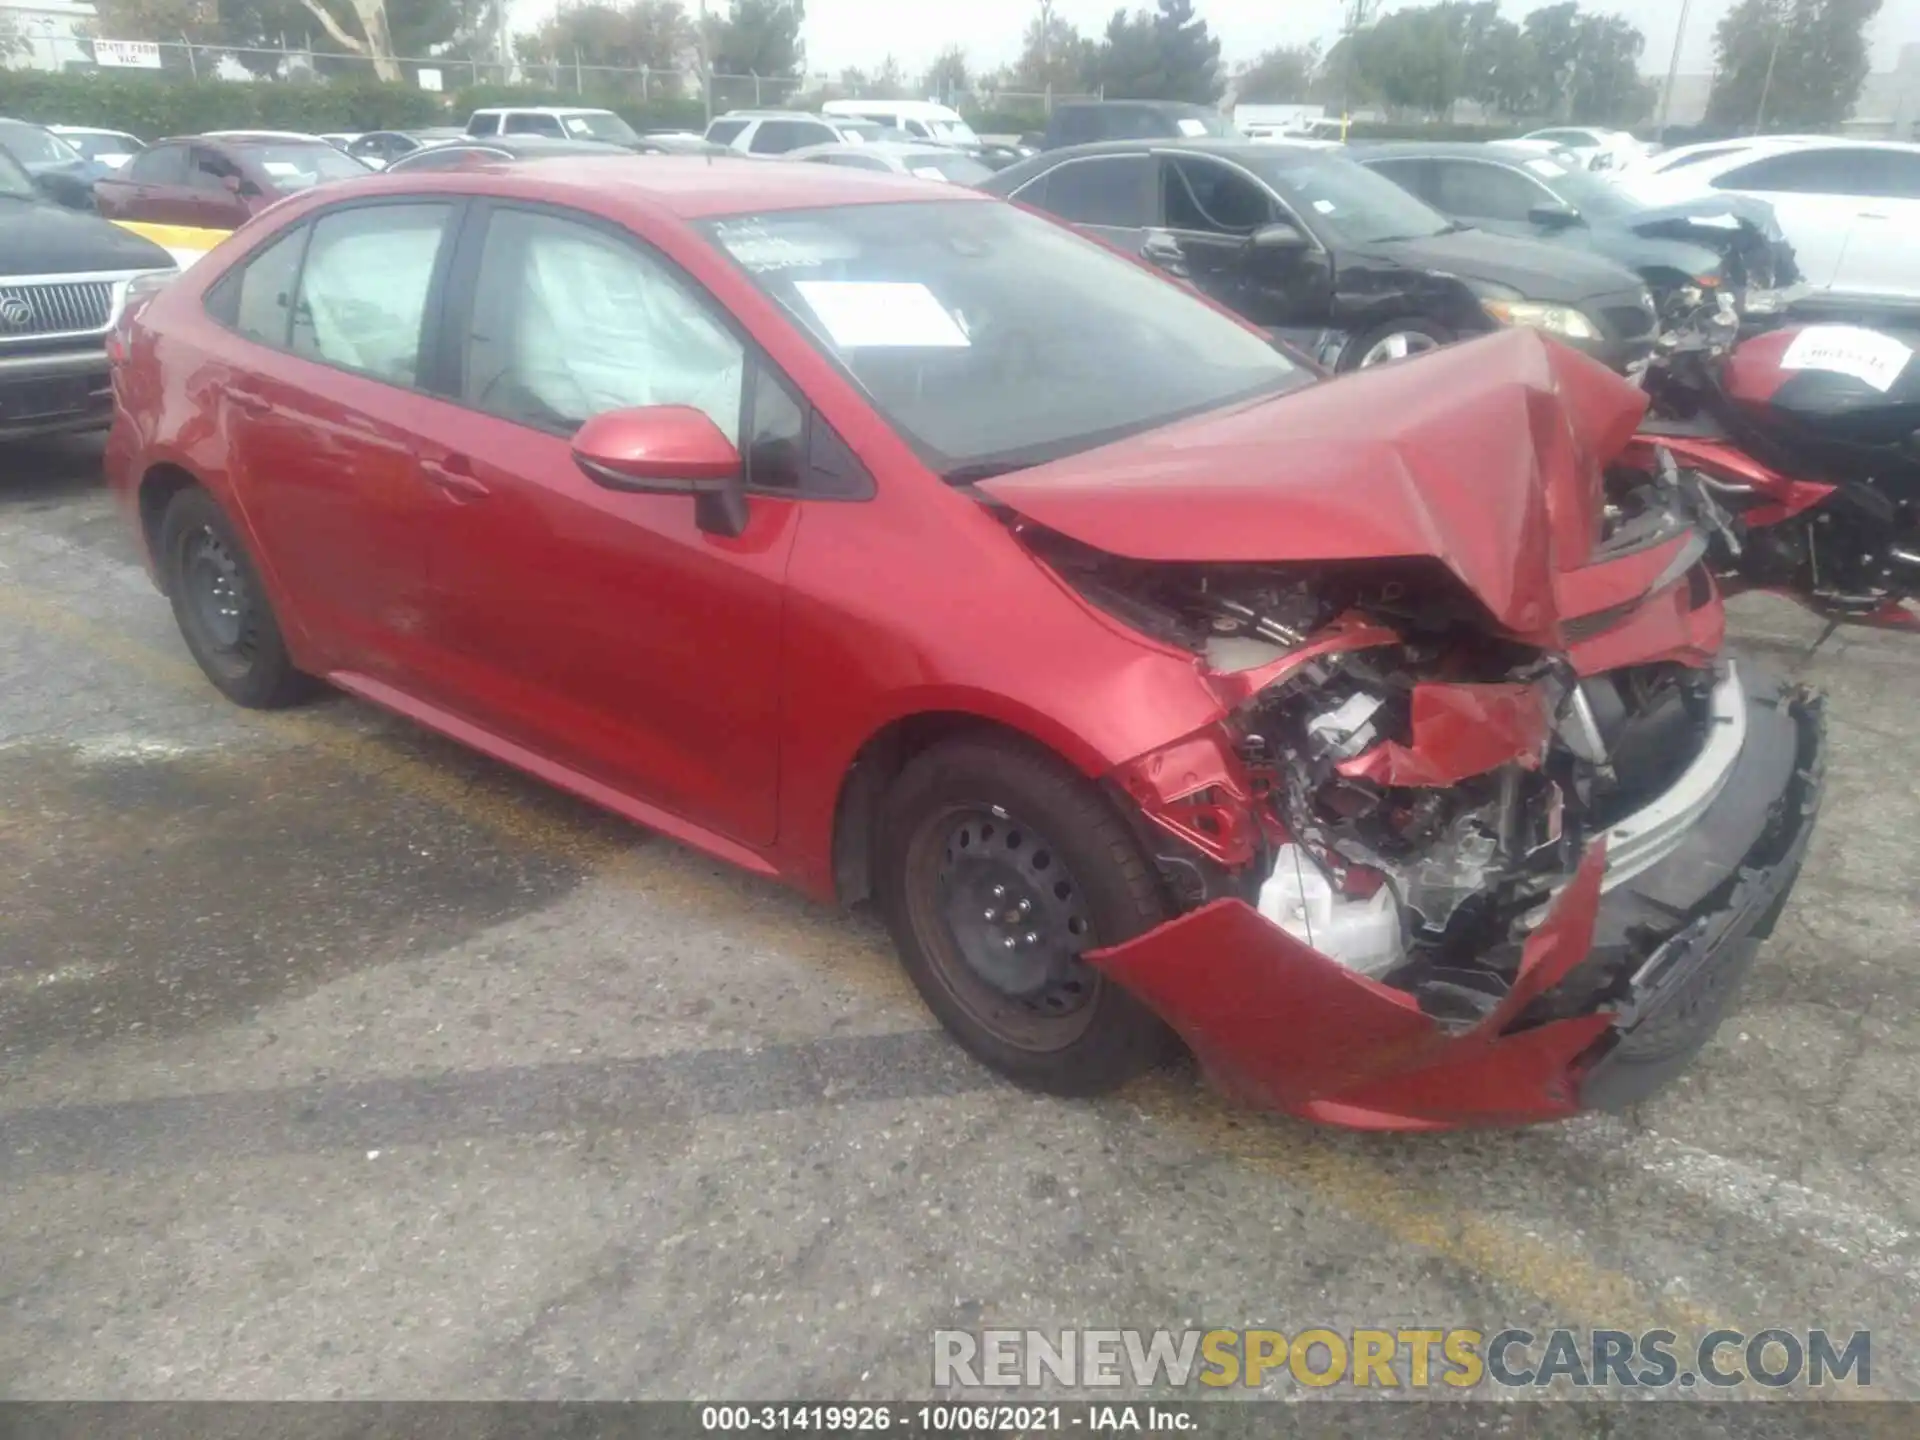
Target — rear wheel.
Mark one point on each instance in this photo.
(1393, 340)
(221, 607)
(1000, 869)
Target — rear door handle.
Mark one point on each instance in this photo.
(247, 403)
(454, 477)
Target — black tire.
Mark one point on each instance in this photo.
(1356, 350)
(1055, 825)
(241, 650)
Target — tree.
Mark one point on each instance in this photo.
(1789, 64)
(639, 35)
(758, 37)
(1412, 60)
(375, 37)
(12, 42)
(1282, 73)
(1054, 57)
(948, 75)
(1168, 54)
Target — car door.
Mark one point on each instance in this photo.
(1489, 196)
(219, 190)
(1810, 195)
(1211, 211)
(152, 189)
(320, 418)
(1115, 197)
(1883, 247)
(607, 629)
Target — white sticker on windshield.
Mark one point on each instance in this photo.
(928, 172)
(282, 168)
(1325, 207)
(577, 126)
(1546, 168)
(873, 314)
(1192, 128)
(1868, 356)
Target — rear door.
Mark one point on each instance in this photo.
(1813, 199)
(1116, 197)
(152, 188)
(1883, 248)
(1488, 196)
(213, 200)
(321, 416)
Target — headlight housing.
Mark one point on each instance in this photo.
(1567, 320)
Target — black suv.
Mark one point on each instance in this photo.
(64, 277)
(1082, 122)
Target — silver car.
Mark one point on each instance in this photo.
(902, 157)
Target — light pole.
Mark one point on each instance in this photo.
(1673, 67)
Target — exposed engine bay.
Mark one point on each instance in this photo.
(1421, 785)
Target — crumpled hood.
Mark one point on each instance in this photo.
(1486, 456)
(1727, 224)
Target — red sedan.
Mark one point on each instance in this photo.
(901, 544)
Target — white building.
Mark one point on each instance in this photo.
(50, 30)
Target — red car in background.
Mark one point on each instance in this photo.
(219, 182)
(898, 543)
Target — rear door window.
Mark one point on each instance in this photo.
(162, 165)
(1111, 190)
(1481, 191)
(363, 289)
(1207, 197)
(535, 125)
(776, 137)
(255, 300)
(1821, 171)
(484, 125)
(724, 132)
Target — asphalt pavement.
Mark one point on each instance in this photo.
(336, 1061)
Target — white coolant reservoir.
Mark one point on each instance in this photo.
(1363, 935)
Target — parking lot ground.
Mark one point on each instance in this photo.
(339, 1062)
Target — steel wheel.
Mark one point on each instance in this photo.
(217, 592)
(1004, 924)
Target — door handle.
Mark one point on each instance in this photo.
(248, 403)
(453, 477)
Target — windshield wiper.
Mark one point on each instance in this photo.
(984, 470)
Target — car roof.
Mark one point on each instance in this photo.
(688, 187)
(543, 110)
(532, 146)
(899, 149)
(1180, 107)
(778, 115)
(1194, 144)
(244, 136)
(88, 130)
(1446, 149)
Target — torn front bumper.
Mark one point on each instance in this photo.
(1593, 1018)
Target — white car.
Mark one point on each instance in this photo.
(926, 160)
(775, 132)
(1849, 208)
(1680, 157)
(1597, 149)
(111, 148)
(914, 119)
(555, 122)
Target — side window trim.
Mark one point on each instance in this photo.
(455, 289)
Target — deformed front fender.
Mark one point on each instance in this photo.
(1280, 1025)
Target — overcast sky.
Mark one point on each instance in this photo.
(840, 33)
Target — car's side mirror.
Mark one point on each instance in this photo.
(1554, 215)
(667, 450)
(1279, 238)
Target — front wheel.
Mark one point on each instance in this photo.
(1392, 340)
(1000, 869)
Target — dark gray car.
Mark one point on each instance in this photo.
(1334, 258)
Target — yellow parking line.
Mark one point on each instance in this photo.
(1373, 1193)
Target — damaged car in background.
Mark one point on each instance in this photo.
(1350, 732)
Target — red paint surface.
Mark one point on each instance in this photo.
(1281, 1025)
(1460, 730)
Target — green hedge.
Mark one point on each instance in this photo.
(151, 106)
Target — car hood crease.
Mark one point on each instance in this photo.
(1485, 456)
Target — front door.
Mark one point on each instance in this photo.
(1212, 212)
(321, 418)
(1883, 247)
(606, 629)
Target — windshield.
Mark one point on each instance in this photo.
(1356, 205)
(294, 166)
(960, 169)
(31, 145)
(992, 339)
(1593, 197)
(599, 125)
(953, 132)
(862, 131)
(14, 181)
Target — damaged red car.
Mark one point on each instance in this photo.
(890, 540)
